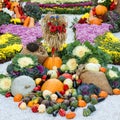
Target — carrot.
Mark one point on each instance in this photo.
(32, 22)
(59, 100)
(102, 69)
(26, 22)
(17, 12)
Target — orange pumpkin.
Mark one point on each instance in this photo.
(100, 10)
(50, 62)
(94, 96)
(81, 103)
(59, 100)
(103, 94)
(116, 91)
(18, 97)
(95, 20)
(52, 85)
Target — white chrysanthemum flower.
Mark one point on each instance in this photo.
(72, 64)
(101, 1)
(8, 11)
(112, 74)
(80, 51)
(25, 61)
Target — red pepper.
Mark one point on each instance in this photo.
(65, 87)
(34, 109)
(62, 92)
(8, 94)
(62, 112)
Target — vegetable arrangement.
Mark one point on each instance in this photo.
(55, 91)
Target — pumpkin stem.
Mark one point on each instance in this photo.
(27, 86)
(53, 51)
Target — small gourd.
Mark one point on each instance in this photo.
(54, 97)
(46, 93)
(82, 103)
(94, 101)
(68, 82)
(41, 108)
(86, 98)
(116, 91)
(103, 94)
(92, 108)
(86, 112)
(74, 103)
(49, 110)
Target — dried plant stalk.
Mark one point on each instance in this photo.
(54, 39)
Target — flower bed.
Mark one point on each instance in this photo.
(59, 1)
(111, 45)
(65, 8)
(26, 34)
(9, 46)
(86, 32)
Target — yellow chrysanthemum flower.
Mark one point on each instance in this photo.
(93, 60)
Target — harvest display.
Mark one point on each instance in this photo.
(52, 76)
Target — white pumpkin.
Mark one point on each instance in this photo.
(23, 85)
(92, 67)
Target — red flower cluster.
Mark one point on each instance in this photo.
(82, 21)
(56, 28)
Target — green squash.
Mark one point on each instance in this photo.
(49, 110)
(74, 103)
(86, 112)
(92, 108)
(61, 78)
(86, 98)
(5, 84)
(94, 101)
(56, 106)
(63, 106)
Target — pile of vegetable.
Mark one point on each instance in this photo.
(58, 91)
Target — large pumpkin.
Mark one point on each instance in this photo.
(50, 62)
(52, 85)
(100, 10)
